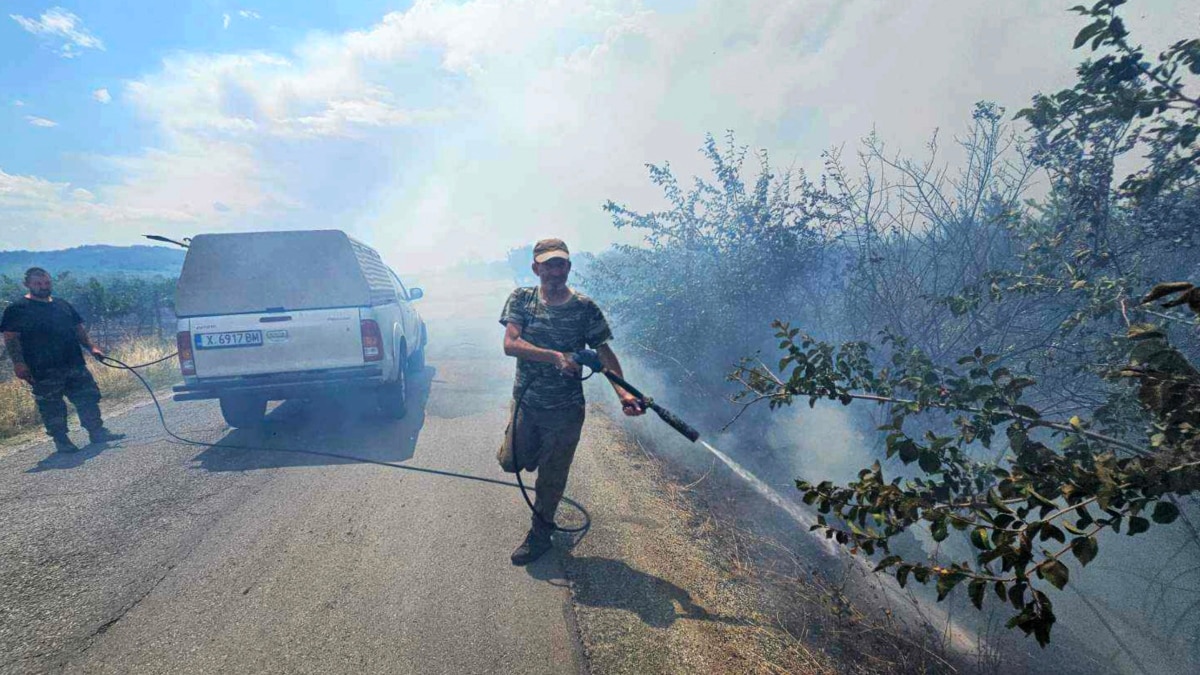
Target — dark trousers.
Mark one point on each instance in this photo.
(545, 441)
(75, 383)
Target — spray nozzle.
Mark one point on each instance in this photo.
(588, 358)
(591, 360)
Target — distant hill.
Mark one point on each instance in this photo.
(97, 261)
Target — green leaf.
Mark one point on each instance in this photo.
(1017, 437)
(1016, 595)
(947, 582)
(1164, 290)
(1041, 629)
(1089, 31)
(1085, 549)
(938, 529)
(921, 574)
(1085, 519)
(1165, 513)
(930, 462)
(1026, 411)
(993, 499)
(976, 590)
(1145, 331)
(979, 537)
(1049, 531)
(1137, 525)
(888, 562)
(1056, 573)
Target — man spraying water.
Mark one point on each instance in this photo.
(45, 336)
(544, 326)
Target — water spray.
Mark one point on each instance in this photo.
(591, 360)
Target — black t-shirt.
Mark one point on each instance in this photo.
(48, 338)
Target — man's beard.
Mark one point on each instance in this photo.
(40, 293)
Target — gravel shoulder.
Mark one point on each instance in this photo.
(655, 590)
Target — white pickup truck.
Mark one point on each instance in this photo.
(281, 315)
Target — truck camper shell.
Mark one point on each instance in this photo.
(250, 272)
(267, 316)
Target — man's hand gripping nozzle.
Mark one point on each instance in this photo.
(591, 360)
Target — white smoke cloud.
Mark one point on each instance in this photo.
(458, 130)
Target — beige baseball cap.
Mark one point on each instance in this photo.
(550, 248)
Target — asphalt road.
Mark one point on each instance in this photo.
(154, 556)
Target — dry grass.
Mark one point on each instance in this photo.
(809, 623)
(18, 412)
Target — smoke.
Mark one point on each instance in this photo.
(822, 443)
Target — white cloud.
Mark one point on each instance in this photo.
(257, 95)
(57, 23)
(18, 103)
(476, 126)
(102, 95)
(224, 21)
(26, 190)
(40, 121)
(249, 14)
(38, 212)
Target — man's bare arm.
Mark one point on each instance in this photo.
(515, 345)
(609, 358)
(82, 335)
(12, 344)
(629, 403)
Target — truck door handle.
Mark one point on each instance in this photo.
(274, 319)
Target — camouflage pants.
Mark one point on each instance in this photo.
(545, 441)
(77, 384)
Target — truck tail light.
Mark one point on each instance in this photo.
(187, 363)
(372, 341)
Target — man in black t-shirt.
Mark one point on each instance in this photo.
(43, 336)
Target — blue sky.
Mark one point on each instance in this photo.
(447, 130)
(135, 34)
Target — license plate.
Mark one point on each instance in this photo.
(241, 338)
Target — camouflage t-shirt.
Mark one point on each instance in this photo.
(568, 327)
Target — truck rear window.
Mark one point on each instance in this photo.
(255, 271)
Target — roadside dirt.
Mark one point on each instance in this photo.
(109, 407)
(668, 581)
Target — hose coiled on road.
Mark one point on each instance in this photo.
(119, 365)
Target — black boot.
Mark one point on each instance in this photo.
(62, 443)
(536, 543)
(102, 435)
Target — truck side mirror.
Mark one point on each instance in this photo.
(415, 294)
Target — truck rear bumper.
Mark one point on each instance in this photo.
(278, 386)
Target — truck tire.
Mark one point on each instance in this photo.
(416, 360)
(392, 397)
(241, 412)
